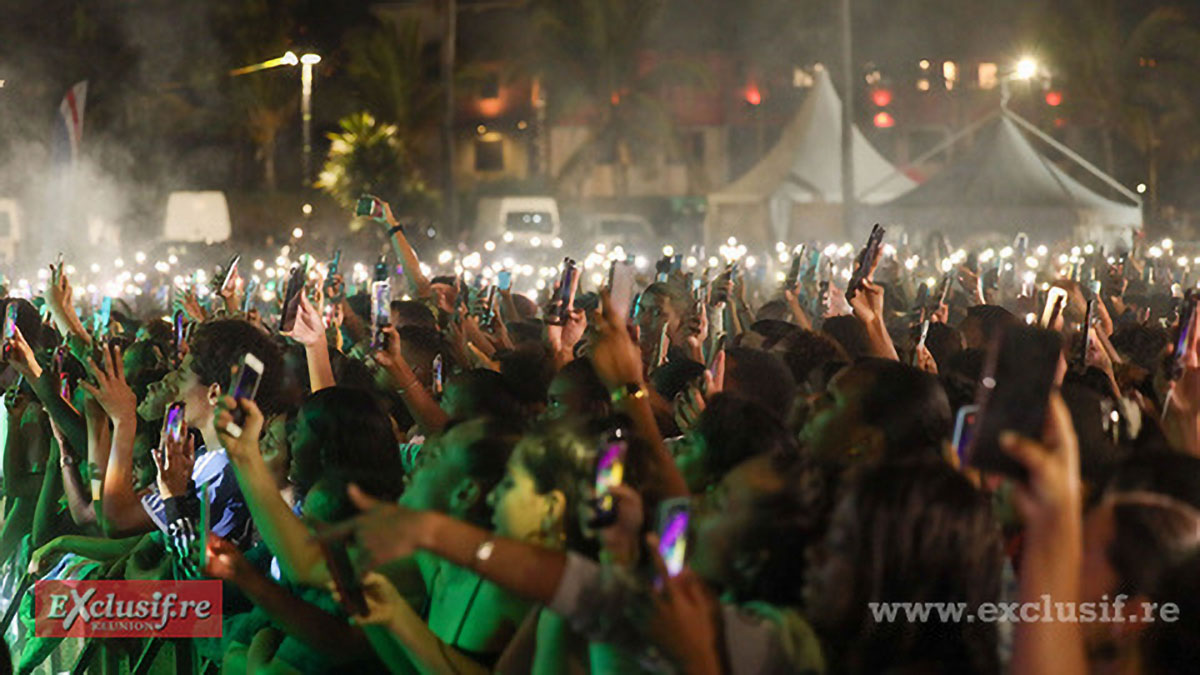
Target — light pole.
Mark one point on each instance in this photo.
(306, 63)
(1026, 70)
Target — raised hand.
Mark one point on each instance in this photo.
(685, 618)
(309, 329)
(224, 560)
(20, 356)
(111, 390)
(615, 356)
(175, 459)
(245, 446)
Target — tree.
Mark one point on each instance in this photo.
(1131, 83)
(590, 54)
(371, 157)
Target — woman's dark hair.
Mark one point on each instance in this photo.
(806, 350)
(912, 532)
(562, 457)
(1151, 533)
(735, 429)
(487, 460)
(761, 377)
(485, 394)
(354, 443)
(785, 524)
(527, 372)
(908, 405)
(675, 375)
(849, 333)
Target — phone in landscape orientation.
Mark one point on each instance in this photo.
(673, 517)
(244, 386)
(230, 272)
(334, 265)
(504, 280)
(1186, 318)
(439, 377)
(866, 258)
(621, 279)
(1013, 394)
(1056, 301)
(173, 426)
(291, 298)
(103, 316)
(610, 472)
(347, 583)
(964, 429)
(369, 206)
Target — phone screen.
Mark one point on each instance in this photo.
(610, 472)
(673, 520)
(230, 272)
(245, 386)
(438, 377)
(291, 298)
(381, 302)
(179, 324)
(10, 320)
(964, 429)
(1015, 388)
(173, 427)
(103, 315)
(504, 280)
(621, 278)
(334, 264)
(866, 257)
(1056, 300)
(369, 207)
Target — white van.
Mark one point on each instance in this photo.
(197, 217)
(518, 221)
(10, 230)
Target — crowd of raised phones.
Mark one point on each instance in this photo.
(675, 473)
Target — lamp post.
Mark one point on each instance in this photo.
(306, 63)
(1025, 70)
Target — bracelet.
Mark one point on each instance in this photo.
(394, 229)
(632, 390)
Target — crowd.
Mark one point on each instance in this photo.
(686, 470)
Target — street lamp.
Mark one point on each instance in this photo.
(306, 62)
(1027, 69)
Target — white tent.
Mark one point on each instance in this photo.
(795, 190)
(1003, 184)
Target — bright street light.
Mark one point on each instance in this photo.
(1026, 69)
(306, 61)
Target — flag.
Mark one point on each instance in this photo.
(71, 111)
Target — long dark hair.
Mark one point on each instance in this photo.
(913, 532)
(354, 443)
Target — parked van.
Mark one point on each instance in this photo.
(197, 217)
(518, 221)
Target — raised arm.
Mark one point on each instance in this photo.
(310, 332)
(406, 254)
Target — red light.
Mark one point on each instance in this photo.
(753, 95)
(884, 120)
(1054, 98)
(881, 97)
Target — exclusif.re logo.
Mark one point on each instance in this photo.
(127, 609)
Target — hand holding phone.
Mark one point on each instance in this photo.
(291, 298)
(244, 386)
(369, 206)
(864, 265)
(673, 519)
(610, 472)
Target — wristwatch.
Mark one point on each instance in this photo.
(630, 390)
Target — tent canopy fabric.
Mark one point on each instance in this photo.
(802, 173)
(1003, 184)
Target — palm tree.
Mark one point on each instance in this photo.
(1132, 85)
(368, 156)
(589, 54)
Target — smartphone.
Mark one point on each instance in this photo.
(944, 289)
(664, 345)
(964, 429)
(566, 293)
(504, 280)
(251, 289)
(179, 331)
(244, 386)
(103, 316)
(489, 307)
(291, 298)
(230, 272)
(334, 264)
(1013, 394)
(921, 341)
(610, 472)
(621, 278)
(381, 269)
(173, 426)
(793, 275)
(381, 302)
(673, 517)
(1081, 355)
(345, 580)
(866, 258)
(10, 326)
(368, 206)
(1186, 314)
(439, 381)
(1056, 301)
